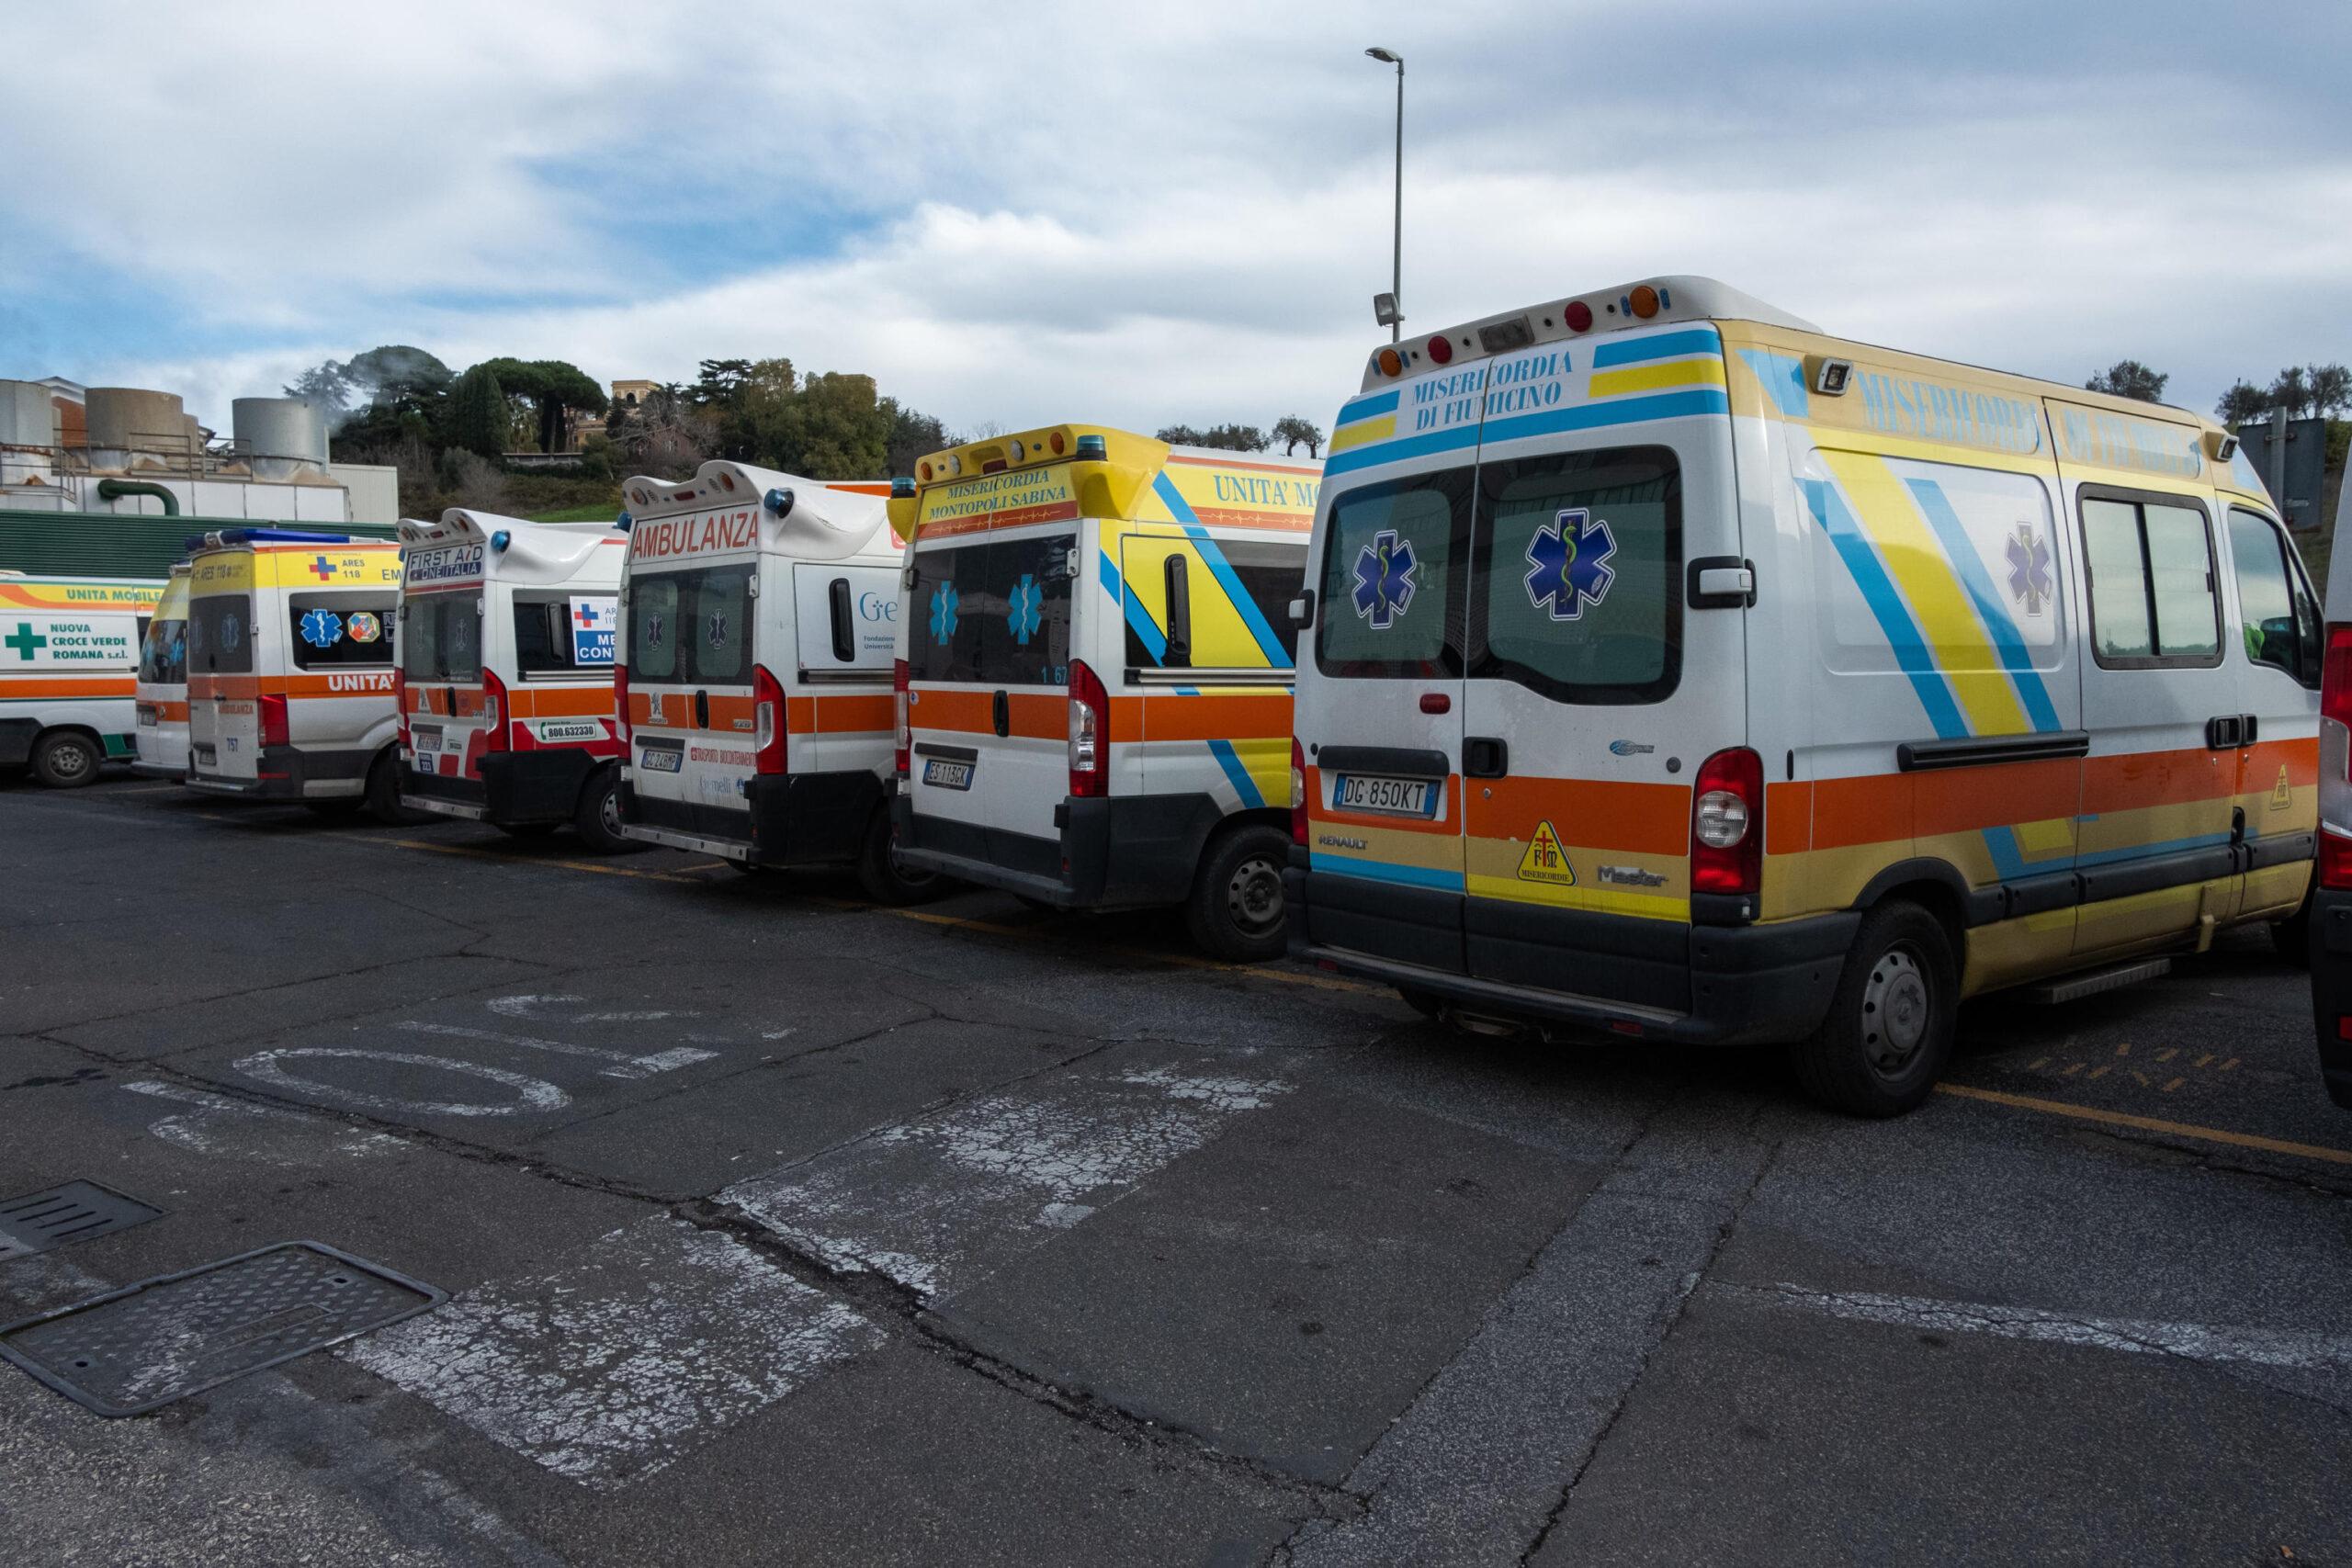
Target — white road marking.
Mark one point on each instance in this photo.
(2133, 1335)
(533, 1094)
(534, 1006)
(936, 1204)
(625, 1065)
(183, 1131)
(653, 1341)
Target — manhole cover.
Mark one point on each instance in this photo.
(75, 1212)
(133, 1349)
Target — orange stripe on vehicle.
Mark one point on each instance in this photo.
(18, 687)
(961, 709)
(862, 713)
(353, 684)
(1236, 517)
(563, 702)
(1647, 819)
(1211, 718)
(1788, 818)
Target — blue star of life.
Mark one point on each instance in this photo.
(1384, 579)
(2030, 580)
(1570, 554)
(1027, 598)
(321, 628)
(943, 600)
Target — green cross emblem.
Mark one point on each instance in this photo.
(24, 640)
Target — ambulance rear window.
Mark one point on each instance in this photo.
(220, 634)
(1388, 601)
(441, 636)
(996, 612)
(162, 653)
(692, 628)
(1577, 575)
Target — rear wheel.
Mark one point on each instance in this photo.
(66, 759)
(1236, 909)
(1889, 1031)
(597, 819)
(383, 794)
(886, 880)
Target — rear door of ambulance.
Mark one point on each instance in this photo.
(1381, 696)
(690, 634)
(445, 624)
(228, 663)
(989, 676)
(1596, 692)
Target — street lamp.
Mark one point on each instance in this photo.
(1389, 312)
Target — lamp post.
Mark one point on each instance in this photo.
(1394, 313)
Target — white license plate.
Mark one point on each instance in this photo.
(425, 739)
(663, 760)
(947, 775)
(1394, 798)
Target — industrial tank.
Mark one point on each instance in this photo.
(283, 437)
(124, 420)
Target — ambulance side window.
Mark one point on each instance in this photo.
(341, 631)
(1390, 604)
(2278, 618)
(1272, 575)
(1577, 575)
(2150, 562)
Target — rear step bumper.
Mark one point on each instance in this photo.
(288, 773)
(1113, 853)
(812, 818)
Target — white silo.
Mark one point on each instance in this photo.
(283, 438)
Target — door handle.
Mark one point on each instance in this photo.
(1485, 757)
(1001, 715)
(2229, 731)
(702, 710)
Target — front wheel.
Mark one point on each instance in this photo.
(880, 873)
(66, 759)
(1236, 909)
(1890, 1022)
(597, 818)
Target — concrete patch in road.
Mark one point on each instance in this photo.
(649, 1344)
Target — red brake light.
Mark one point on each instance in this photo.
(1090, 732)
(767, 722)
(1297, 793)
(2336, 760)
(904, 740)
(1727, 823)
(1440, 351)
(1579, 316)
(400, 700)
(620, 703)
(494, 712)
(273, 728)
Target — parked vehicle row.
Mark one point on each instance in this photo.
(1646, 661)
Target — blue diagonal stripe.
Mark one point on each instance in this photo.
(1222, 570)
(1886, 605)
(1236, 774)
(2016, 657)
(1147, 631)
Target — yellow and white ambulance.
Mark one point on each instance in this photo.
(69, 670)
(1680, 670)
(160, 745)
(506, 639)
(290, 640)
(757, 610)
(1096, 688)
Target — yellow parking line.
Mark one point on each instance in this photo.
(2150, 1123)
(468, 852)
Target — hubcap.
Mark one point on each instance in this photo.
(1254, 897)
(608, 812)
(1895, 1010)
(70, 762)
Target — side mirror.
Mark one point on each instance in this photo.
(1302, 609)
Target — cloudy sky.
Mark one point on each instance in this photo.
(1143, 215)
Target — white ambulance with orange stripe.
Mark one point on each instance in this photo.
(68, 668)
(1676, 670)
(160, 745)
(1097, 678)
(290, 639)
(757, 613)
(506, 639)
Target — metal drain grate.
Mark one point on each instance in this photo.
(75, 1212)
(134, 1349)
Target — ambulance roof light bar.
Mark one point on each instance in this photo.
(996, 453)
(224, 538)
(1650, 303)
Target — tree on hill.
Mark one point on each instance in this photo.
(2242, 405)
(1294, 433)
(477, 417)
(551, 386)
(913, 436)
(2129, 379)
(1226, 437)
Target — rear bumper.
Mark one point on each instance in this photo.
(786, 819)
(1119, 852)
(286, 772)
(2332, 991)
(515, 788)
(1659, 979)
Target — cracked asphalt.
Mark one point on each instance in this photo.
(777, 1228)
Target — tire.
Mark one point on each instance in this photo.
(2292, 936)
(66, 759)
(878, 870)
(597, 818)
(383, 794)
(1889, 1031)
(525, 829)
(1235, 911)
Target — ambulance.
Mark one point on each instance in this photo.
(290, 640)
(1095, 693)
(1677, 671)
(757, 613)
(161, 742)
(69, 669)
(506, 637)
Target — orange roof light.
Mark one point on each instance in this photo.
(1645, 301)
(1057, 442)
(1391, 363)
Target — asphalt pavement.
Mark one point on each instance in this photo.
(777, 1228)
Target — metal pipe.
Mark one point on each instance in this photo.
(1397, 251)
(115, 490)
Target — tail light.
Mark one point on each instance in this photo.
(1090, 732)
(1727, 823)
(494, 713)
(2336, 760)
(767, 722)
(1297, 793)
(399, 703)
(273, 730)
(902, 738)
(620, 703)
